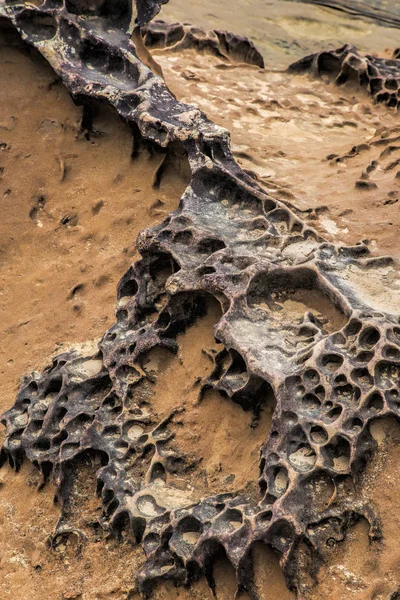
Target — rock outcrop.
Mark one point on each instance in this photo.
(333, 370)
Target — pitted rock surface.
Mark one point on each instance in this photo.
(180, 36)
(333, 369)
(380, 76)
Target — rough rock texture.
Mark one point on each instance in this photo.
(379, 75)
(180, 36)
(333, 370)
(284, 30)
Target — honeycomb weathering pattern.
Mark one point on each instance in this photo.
(381, 76)
(179, 36)
(331, 374)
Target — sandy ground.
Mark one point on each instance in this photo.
(285, 31)
(70, 213)
(308, 142)
(71, 210)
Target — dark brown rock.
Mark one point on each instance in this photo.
(332, 371)
(380, 76)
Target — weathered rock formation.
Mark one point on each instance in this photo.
(179, 36)
(332, 370)
(380, 76)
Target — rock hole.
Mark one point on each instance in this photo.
(362, 377)
(334, 413)
(210, 245)
(311, 402)
(290, 294)
(331, 362)
(369, 337)
(303, 459)
(280, 480)
(53, 387)
(318, 434)
(183, 237)
(352, 328)
(127, 288)
(354, 425)
(36, 26)
(311, 377)
(158, 473)
(337, 454)
(374, 402)
(328, 64)
(391, 352)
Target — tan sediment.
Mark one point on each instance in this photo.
(359, 568)
(284, 31)
(57, 290)
(66, 236)
(213, 432)
(216, 430)
(58, 285)
(308, 142)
